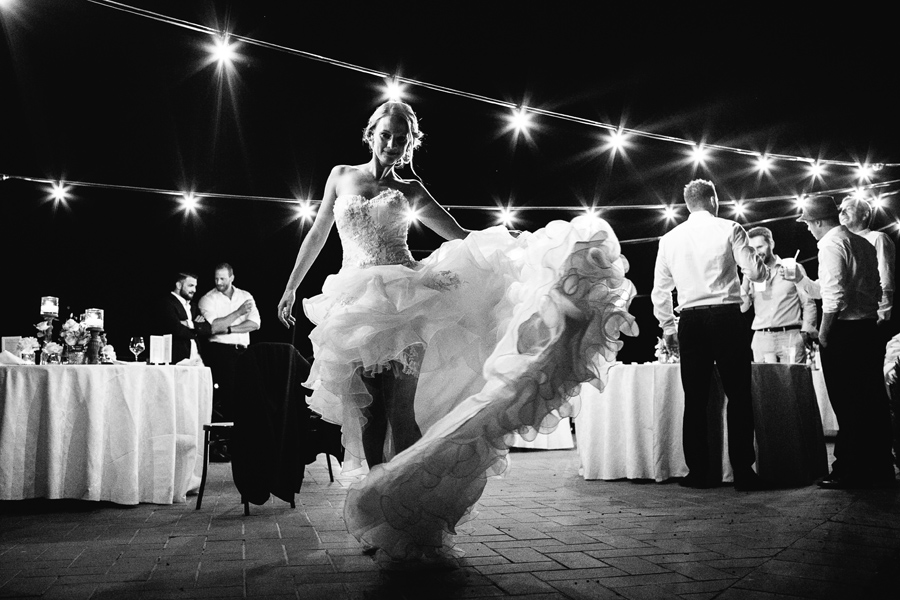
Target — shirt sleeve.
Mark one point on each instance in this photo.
(663, 284)
(746, 294)
(807, 304)
(886, 252)
(746, 257)
(253, 315)
(207, 309)
(832, 278)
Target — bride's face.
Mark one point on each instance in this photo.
(390, 139)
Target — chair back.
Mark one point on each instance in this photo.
(271, 422)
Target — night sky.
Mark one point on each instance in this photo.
(93, 94)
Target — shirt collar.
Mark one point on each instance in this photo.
(699, 214)
(184, 302)
(830, 234)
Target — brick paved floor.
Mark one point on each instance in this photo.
(542, 532)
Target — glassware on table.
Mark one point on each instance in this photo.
(136, 345)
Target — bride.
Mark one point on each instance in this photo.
(490, 335)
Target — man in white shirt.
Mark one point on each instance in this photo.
(851, 354)
(233, 315)
(784, 321)
(856, 214)
(700, 260)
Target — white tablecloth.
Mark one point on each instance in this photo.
(558, 439)
(634, 428)
(122, 433)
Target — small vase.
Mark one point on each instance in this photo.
(75, 354)
(27, 357)
(52, 359)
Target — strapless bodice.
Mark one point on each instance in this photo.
(373, 230)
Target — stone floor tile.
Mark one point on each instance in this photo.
(635, 565)
(520, 583)
(521, 555)
(593, 572)
(585, 589)
(576, 560)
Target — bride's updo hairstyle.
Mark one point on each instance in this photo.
(402, 110)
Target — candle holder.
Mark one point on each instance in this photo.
(93, 318)
(49, 306)
(94, 346)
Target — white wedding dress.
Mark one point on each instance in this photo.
(510, 328)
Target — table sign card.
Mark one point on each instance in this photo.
(161, 349)
(11, 344)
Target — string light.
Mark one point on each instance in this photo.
(763, 163)
(59, 192)
(507, 216)
(864, 172)
(616, 141)
(460, 93)
(223, 52)
(698, 154)
(878, 202)
(670, 213)
(412, 215)
(305, 210)
(189, 202)
(520, 120)
(816, 171)
(739, 209)
(394, 91)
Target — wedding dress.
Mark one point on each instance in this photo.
(501, 330)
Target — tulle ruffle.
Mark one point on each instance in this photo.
(556, 325)
(440, 319)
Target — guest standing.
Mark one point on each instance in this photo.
(856, 215)
(174, 316)
(785, 317)
(233, 315)
(851, 353)
(699, 259)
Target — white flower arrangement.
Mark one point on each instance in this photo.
(108, 354)
(53, 348)
(27, 345)
(74, 333)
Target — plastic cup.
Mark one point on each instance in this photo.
(770, 357)
(789, 266)
(790, 354)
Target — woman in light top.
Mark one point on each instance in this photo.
(430, 366)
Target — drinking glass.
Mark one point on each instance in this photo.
(136, 346)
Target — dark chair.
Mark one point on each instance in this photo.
(274, 434)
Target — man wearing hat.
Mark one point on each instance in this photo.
(851, 354)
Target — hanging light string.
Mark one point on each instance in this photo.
(596, 208)
(519, 109)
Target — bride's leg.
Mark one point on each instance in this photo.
(375, 428)
(399, 396)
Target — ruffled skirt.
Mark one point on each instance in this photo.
(502, 332)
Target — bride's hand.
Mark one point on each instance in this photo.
(286, 309)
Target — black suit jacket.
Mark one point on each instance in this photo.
(170, 314)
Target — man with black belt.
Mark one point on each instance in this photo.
(233, 315)
(851, 352)
(784, 321)
(699, 259)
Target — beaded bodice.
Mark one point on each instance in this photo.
(373, 230)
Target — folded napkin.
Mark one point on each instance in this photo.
(8, 358)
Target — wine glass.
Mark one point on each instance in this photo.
(136, 346)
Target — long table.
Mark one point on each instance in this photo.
(633, 429)
(124, 433)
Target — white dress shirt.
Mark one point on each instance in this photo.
(778, 302)
(699, 259)
(215, 305)
(848, 276)
(195, 353)
(886, 252)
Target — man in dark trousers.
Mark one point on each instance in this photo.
(700, 259)
(175, 316)
(852, 348)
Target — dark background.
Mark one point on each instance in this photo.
(93, 94)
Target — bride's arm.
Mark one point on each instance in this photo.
(310, 249)
(435, 217)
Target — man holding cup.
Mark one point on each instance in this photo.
(784, 323)
(851, 354)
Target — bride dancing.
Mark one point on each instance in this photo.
(489, 335)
